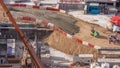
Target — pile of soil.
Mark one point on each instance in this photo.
(64, 44)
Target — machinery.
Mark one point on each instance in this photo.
(24, 39)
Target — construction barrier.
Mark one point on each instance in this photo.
(55, 27)
(36, 7)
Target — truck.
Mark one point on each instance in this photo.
(82, 59)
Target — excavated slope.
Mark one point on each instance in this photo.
(62, 43)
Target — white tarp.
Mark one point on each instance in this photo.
(116, 28)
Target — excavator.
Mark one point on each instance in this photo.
(36, 61)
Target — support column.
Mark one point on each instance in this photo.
(38, 46)
(114, 4)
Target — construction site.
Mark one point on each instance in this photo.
(37, 36)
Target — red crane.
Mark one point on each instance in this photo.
(25, 40)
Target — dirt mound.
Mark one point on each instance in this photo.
(62, 43)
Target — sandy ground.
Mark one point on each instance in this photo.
(86, 26)
(2, 18)
(85, 30)
(100, 23)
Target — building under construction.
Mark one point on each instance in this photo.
(31, 35)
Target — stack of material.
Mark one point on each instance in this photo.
(64, 22)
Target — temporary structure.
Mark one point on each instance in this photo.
(116, 20)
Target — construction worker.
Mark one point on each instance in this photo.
(94, 33)
(112, 39)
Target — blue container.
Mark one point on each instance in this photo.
(95, 11)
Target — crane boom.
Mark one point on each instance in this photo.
(23, 37)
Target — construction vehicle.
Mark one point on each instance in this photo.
(82, 59)
(24, 39)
